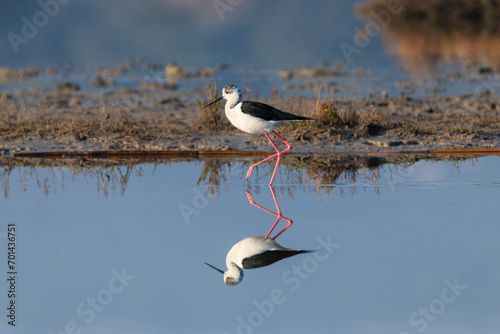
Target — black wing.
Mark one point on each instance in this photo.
(267, 112)
(269, 257)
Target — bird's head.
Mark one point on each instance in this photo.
(229, 93)
(234, 277)
(231, 277)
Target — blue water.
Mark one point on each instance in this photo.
(414, 248)
(196, 34)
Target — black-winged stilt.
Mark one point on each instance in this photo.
(257, 252)
(256, 118)
(253, 252)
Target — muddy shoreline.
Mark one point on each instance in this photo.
(159, 119)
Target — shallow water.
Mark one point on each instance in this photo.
(406, 247)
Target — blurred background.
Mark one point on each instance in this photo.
(193, 33)
(399, 47)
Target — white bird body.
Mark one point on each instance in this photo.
(249, 247)
(253, 252)
(256, 118)
(248, 123)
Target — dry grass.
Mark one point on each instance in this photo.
(48, 120)
(212, 117)
(331, 114)
(114, 120)
(347, 114)
(111, 124)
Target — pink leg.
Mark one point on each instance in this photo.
(278, 153)
(278, 215)
(288, 148)
(258, 163)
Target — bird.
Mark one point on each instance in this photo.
(256, 118)
(253, 252)
(278, 214)
(256, 252)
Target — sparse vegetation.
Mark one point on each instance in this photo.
(123, 119)
(213, 118)
(326, 113)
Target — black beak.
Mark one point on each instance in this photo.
(210, 264)
(220, 98)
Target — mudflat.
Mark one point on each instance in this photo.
(159, 118)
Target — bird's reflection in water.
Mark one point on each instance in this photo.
(257, 252)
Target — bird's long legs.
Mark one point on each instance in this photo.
(278, 215)
(278, 153)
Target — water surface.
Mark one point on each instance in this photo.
(119, 248)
